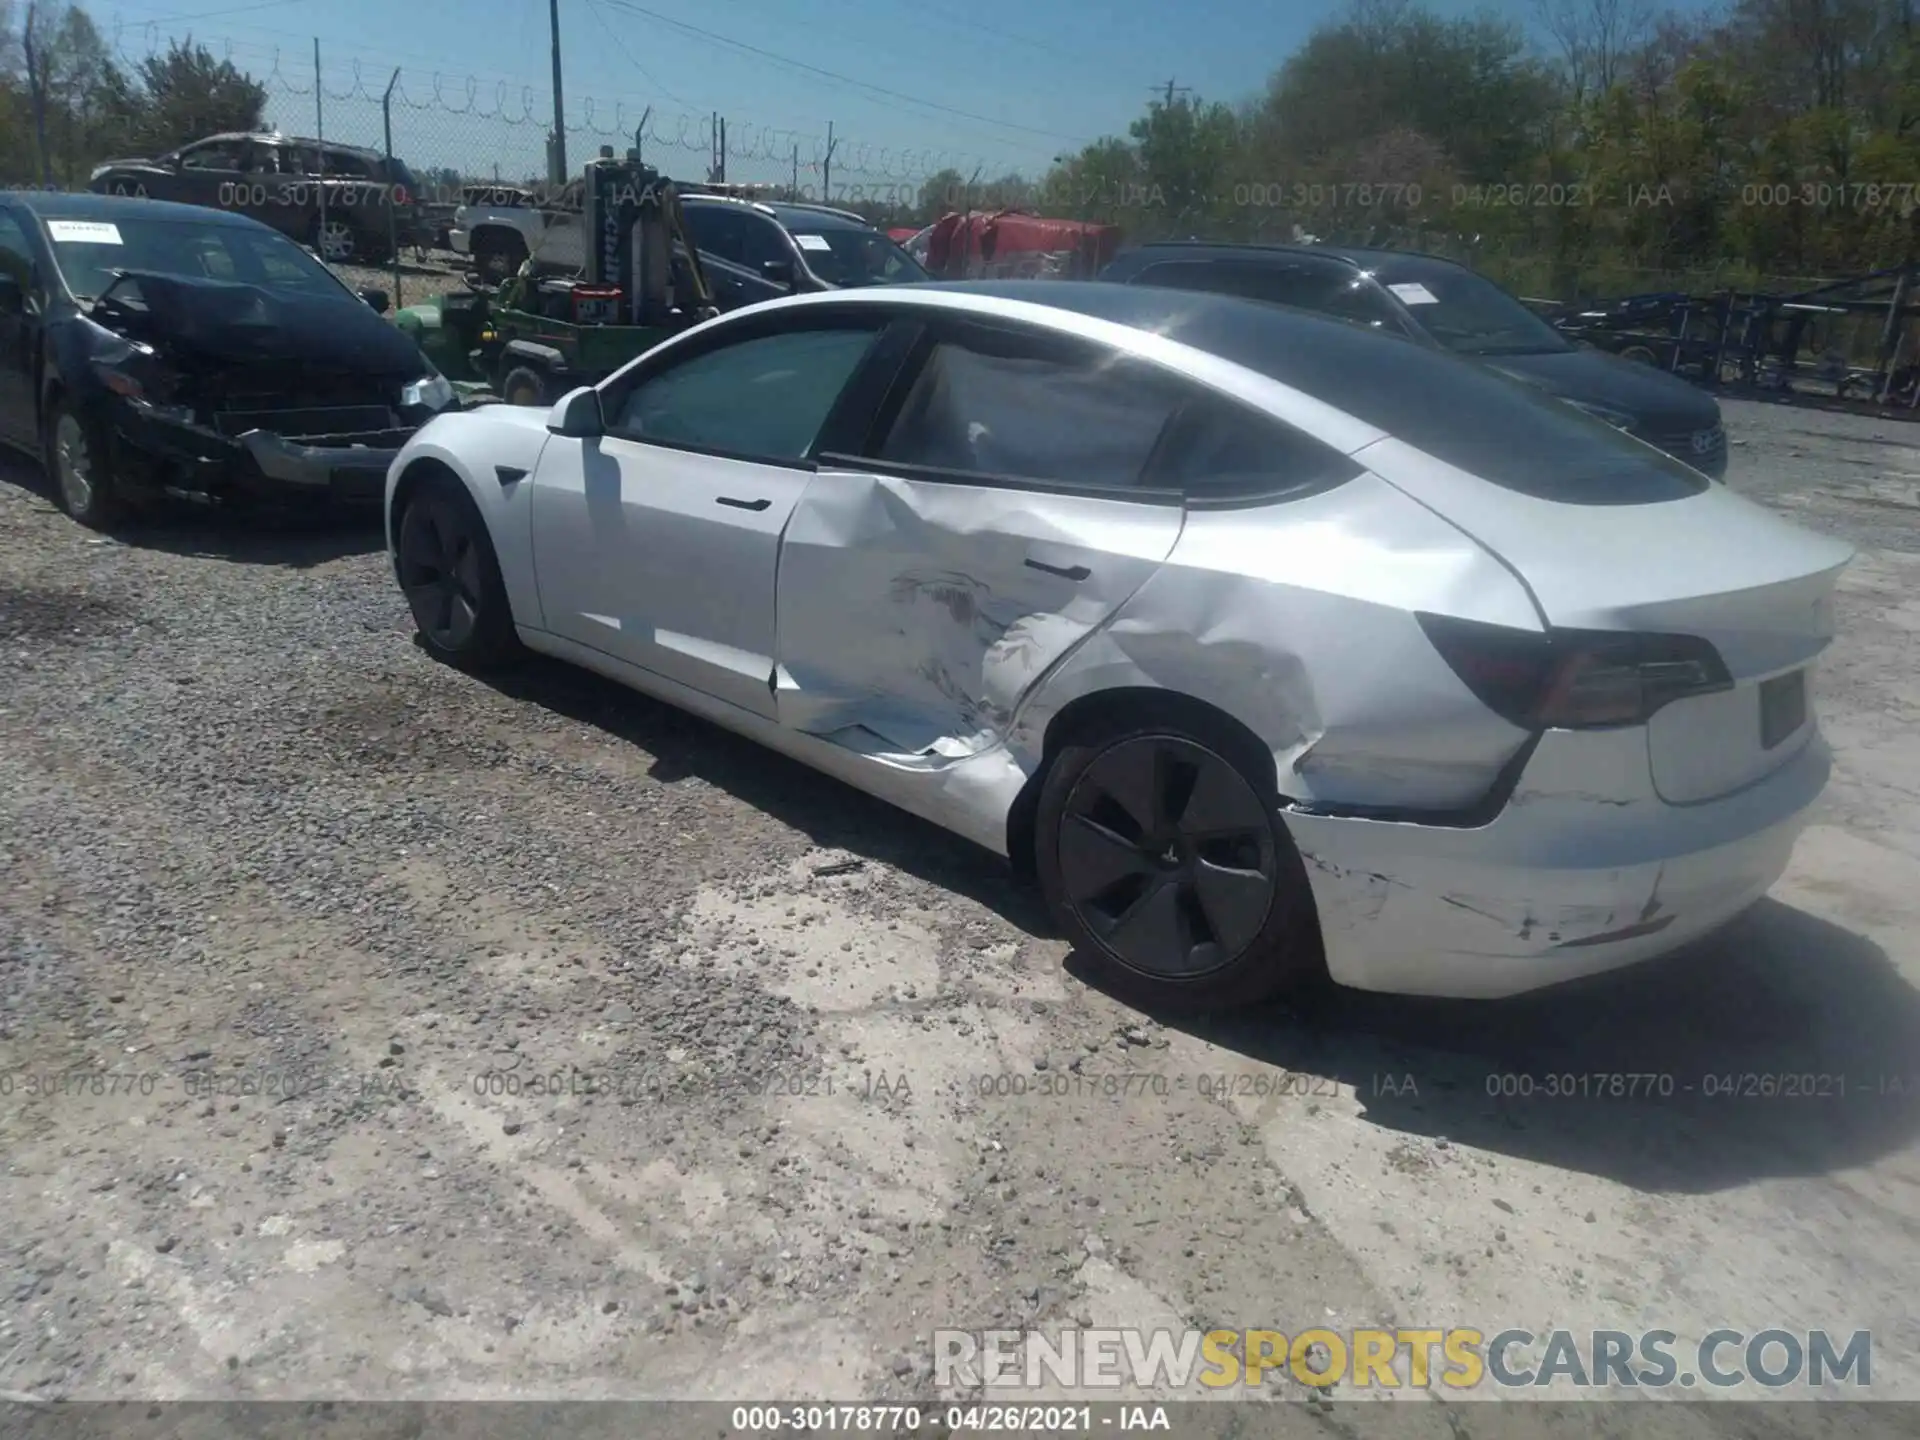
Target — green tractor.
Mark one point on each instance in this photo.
(607, 283)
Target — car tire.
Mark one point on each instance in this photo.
(524, 385)
(497, 255)
(334, 239)
(79, 463)
(1177, 908)
(450, 574)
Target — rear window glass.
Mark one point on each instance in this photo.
(1456, 410)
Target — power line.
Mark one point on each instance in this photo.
(217, 14)
(599, 16)
(835, 76)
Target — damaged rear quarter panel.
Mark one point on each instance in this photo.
(1297, 619)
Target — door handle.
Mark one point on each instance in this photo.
(1065, 572)
(744, 504)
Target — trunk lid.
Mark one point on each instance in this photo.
(1713, 565)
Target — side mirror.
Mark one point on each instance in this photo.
(377, 299)
(780, 272)
(578, 415)
(13, 299)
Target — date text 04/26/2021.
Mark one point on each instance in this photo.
(999, 1419)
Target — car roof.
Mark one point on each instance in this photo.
(85, 205)
(789, 215)
(1292, 346)
(280, 137)
(1411, 263)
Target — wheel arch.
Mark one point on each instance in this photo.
(1129, 705)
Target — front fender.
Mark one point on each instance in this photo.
(485, 449)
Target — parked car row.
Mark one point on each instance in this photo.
(1273, 647)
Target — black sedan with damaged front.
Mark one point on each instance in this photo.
(151, 349)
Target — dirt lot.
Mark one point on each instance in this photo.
(814, 1058)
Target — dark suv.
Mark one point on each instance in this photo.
(1435, 302)
(753, 251)
(353, 206)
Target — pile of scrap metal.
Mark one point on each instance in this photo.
(1755, 338)
(1011, 244)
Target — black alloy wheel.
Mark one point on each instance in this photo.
(1171, 869)
(451, 578)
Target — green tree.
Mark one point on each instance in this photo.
(185, 94)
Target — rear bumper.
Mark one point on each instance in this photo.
(344, 470)
(1567, 881)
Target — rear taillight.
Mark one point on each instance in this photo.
(1574, 679)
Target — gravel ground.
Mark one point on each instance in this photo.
(531, 1039)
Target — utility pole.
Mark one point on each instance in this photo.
(795, 196)
(1172, 89)
(36, 86)
(826, 169)
(557, 155)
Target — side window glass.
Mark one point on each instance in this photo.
(1359, 302)
(762, 240)
(764, 398)
(1225, 451)
(1052, 414)
(16, 260)
(217, 155)
(713, 230)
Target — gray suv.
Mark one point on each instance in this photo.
(353, 206)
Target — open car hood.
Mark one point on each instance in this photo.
(236, 324)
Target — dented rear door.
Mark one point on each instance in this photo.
(914, 615)
(997, 520)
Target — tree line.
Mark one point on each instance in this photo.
(66, 103)
(1599, 144)
(1609, 143)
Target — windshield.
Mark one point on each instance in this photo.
(89, 251)
(857, 257)
(1469, 315)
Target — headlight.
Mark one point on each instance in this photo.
(431, 392)
(1619, 419)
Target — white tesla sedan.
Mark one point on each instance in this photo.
(1272, 648)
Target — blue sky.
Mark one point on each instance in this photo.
(908, 86)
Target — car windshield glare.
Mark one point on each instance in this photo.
(89, 252)
(857, 257)
(1470, 315)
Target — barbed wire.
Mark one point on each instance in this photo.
(524, 106)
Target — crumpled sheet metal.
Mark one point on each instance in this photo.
(953, 604)
(1584, 870)
(1306, 633)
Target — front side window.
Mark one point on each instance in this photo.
(214, 155)
(16, 257)
(716, 231)
(1001, 405)
(764, 398)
